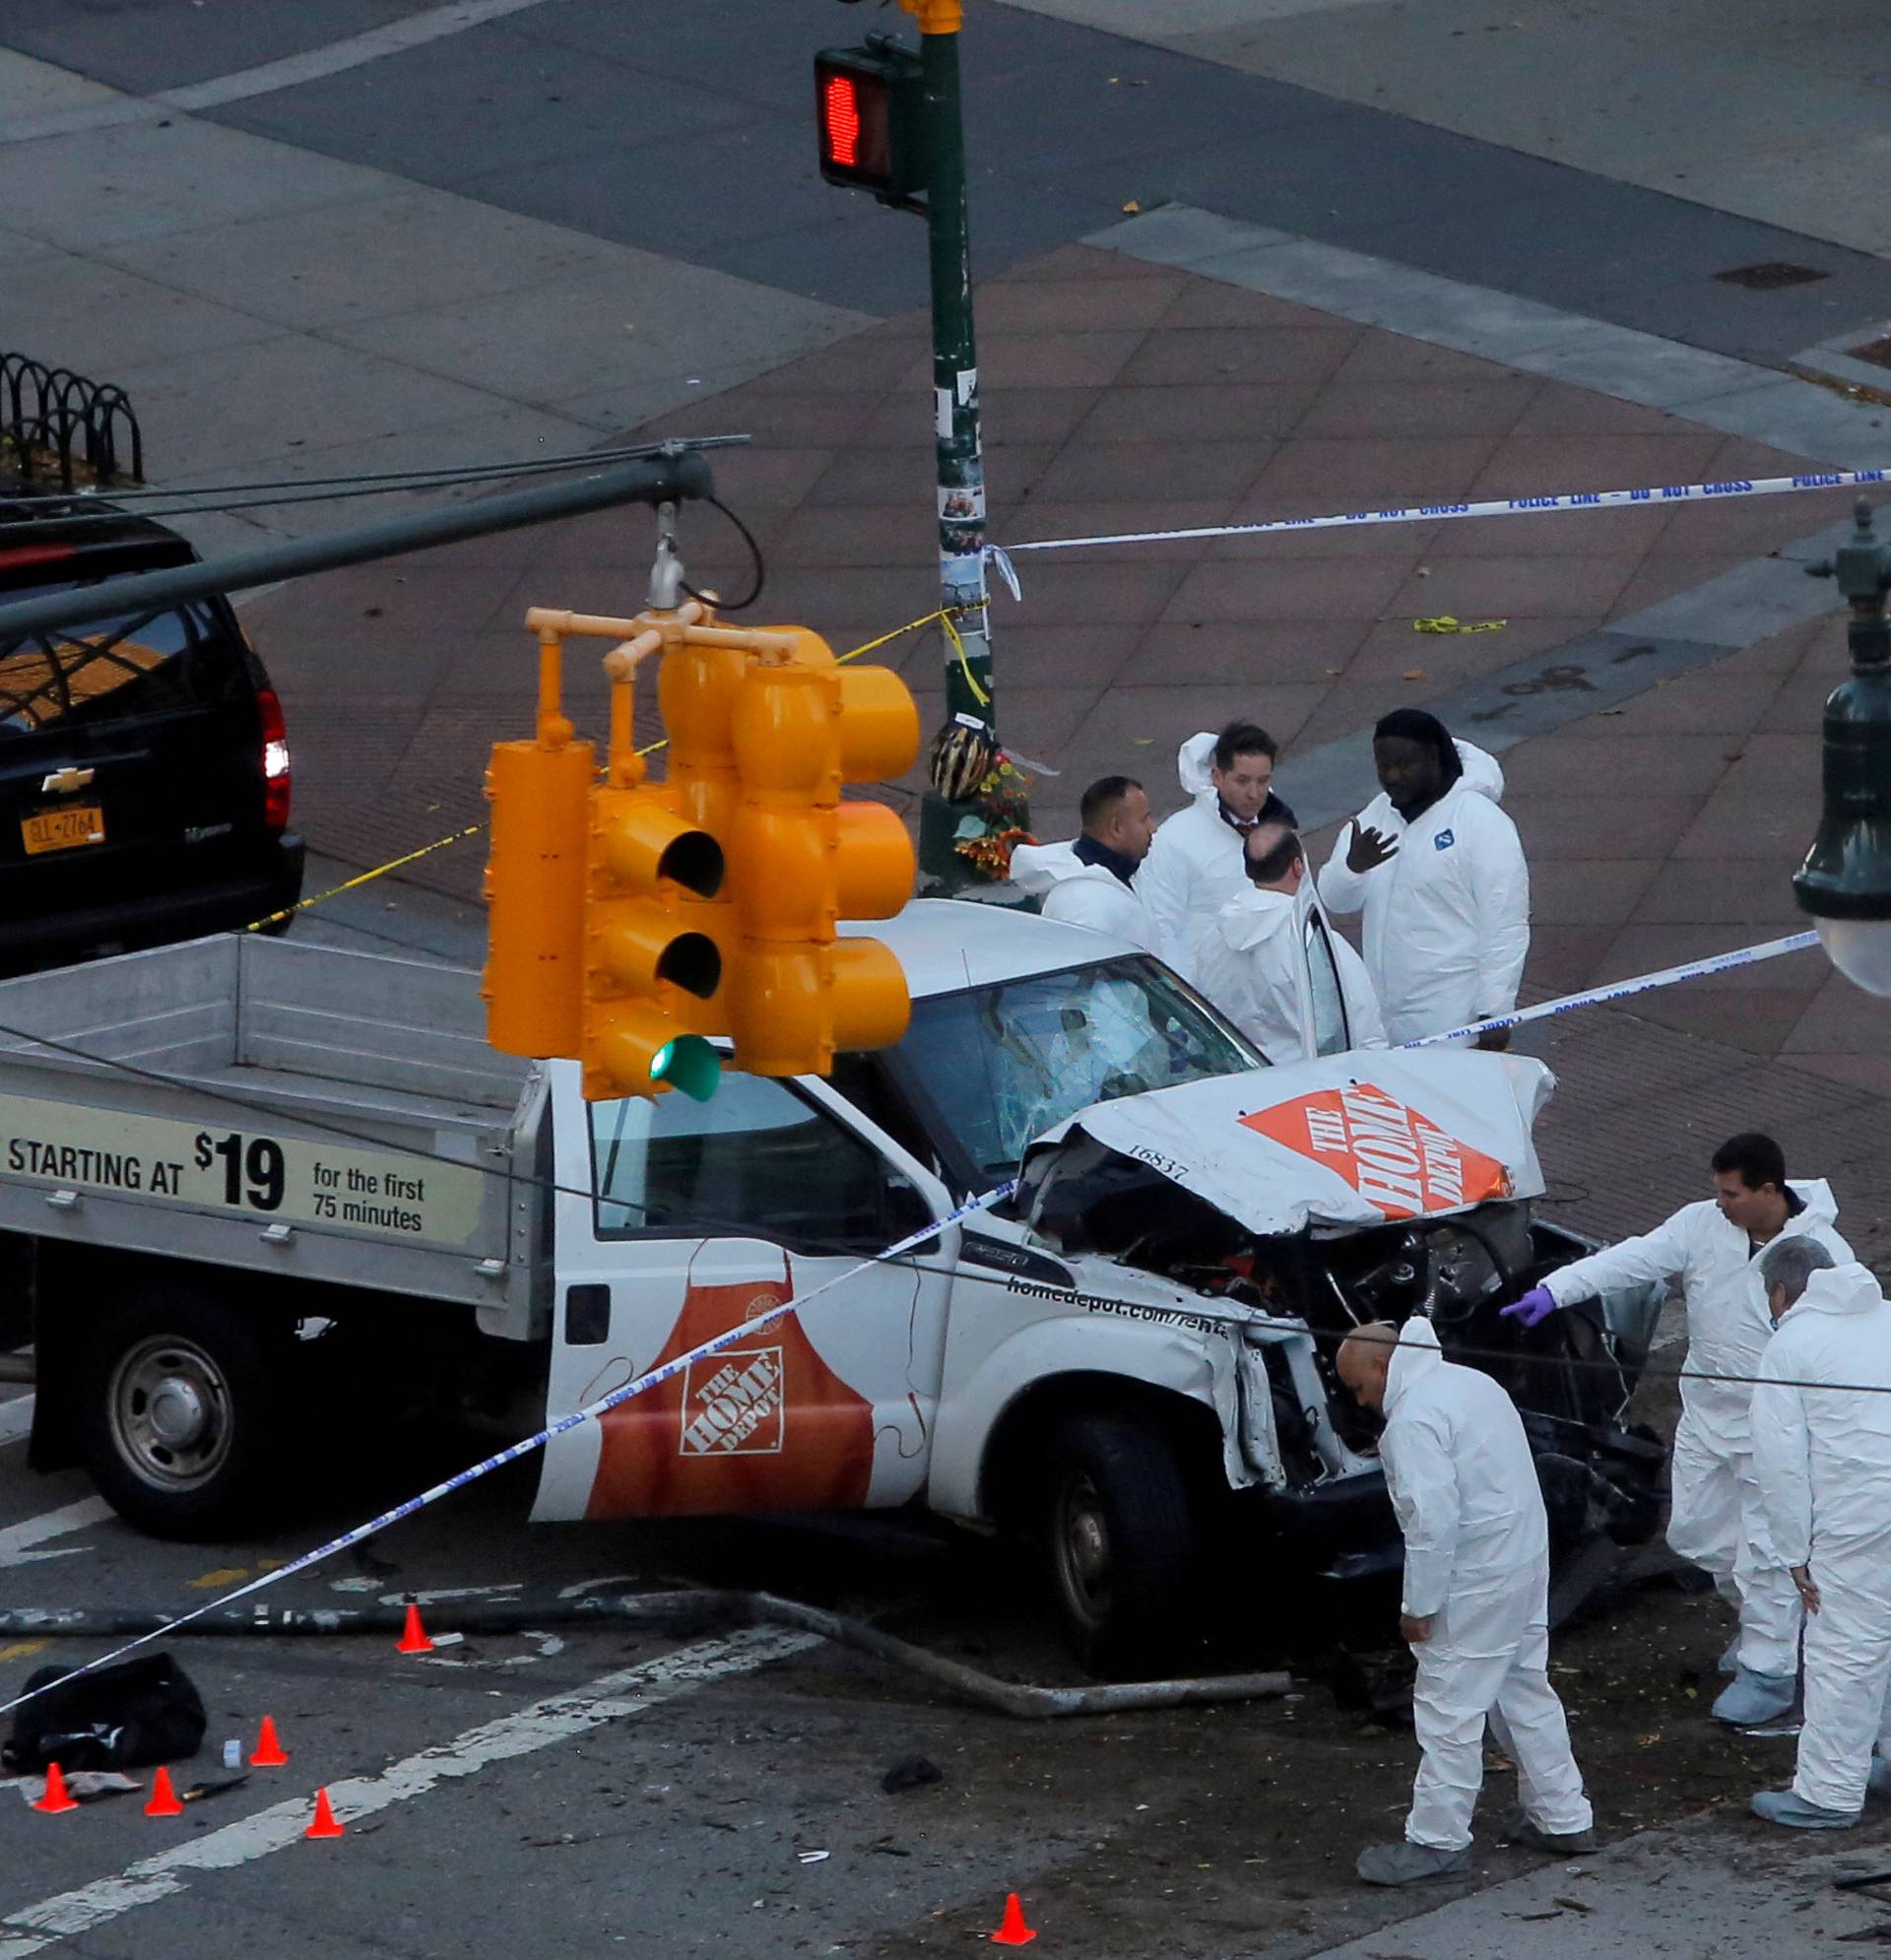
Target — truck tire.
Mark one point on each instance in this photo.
(183, 1424)
(1119, 1539)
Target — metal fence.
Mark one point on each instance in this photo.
(56, 424)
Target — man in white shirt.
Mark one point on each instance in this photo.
(1439, 872)
(1274, 964)
(1193, 866)
(1091, 880)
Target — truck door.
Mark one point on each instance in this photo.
(678, 1220)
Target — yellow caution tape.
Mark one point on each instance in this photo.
(945, 615)
(1445, 623)
(366, 876)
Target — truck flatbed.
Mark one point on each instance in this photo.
(214, 1099)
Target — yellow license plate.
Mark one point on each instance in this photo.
(63, 829)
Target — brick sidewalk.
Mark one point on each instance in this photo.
(1123, 396)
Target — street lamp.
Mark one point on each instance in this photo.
(1844, 882)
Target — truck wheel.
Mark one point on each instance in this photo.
(1119, 1538)
(181, 1420)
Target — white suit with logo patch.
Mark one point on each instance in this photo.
(1716, 1514)
(1823, 1456)
(1447, 917)
(1464, 1485)
(1080, 894)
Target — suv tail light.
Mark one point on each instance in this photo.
(276, 770)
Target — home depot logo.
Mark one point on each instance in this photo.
(1394, 1157)
(738, 1410)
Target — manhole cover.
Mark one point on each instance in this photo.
(1878, 350)
(1762, 278)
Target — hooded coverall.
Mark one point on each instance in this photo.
(1716, 1516)
(1195, 865)
(1464, 1485)
(1272, 963)
(1823, 1458)
(1447, 917)
(1081, 894)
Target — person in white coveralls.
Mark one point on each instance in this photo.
(1437, 868)
(1822, 1453)
(1193, 866)
(1476, 1605)
(1274, 964)
(1716, 1514)
(1092, 880)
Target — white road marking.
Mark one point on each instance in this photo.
(16, 1540)
(396, 38)
(311, 65)
(16, 1419)
(557, 1718)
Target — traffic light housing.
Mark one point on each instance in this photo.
(631, 921)
(643, 964)
(868, 115)
(801, 860)
(539, 790)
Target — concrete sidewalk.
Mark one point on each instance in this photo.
(1722, 1887)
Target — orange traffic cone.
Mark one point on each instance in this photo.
(325, 1823)
(163, 1799)
(56, 1797)
(414, 1638)
(1013, 1933)
(268, 1753)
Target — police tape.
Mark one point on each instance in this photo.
(1658, 497)
(1622, 990)
(515, 1450)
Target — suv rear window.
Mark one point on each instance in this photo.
(137, 665)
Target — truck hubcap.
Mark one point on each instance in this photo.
(1083, 1548)
(171, 1416)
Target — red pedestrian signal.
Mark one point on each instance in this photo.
(840, 122)
(868, 111)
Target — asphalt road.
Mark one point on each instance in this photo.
(590, 1787)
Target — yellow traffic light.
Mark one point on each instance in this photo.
(535, 881)
(801, 860)
(642, 962)
(616, 938)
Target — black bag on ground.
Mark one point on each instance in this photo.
(141, 1711)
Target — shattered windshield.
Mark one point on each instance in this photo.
(1003, 1064)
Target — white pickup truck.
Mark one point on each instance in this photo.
(254, 1182)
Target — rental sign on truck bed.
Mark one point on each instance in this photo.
(286, 1179)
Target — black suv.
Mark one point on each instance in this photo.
(144, 766)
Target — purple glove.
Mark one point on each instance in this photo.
(1532, 1308)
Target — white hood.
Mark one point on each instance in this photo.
(1481, 770)
(1841, 1289)
(1416, 1356)
(1253, 919)
(1192, 761)
(1819, 1206)
(1347, 1140)
(1035, 868)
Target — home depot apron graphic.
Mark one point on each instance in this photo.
(760, 1426)
(1391, 1155)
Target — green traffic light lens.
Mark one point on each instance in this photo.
(689, 1064)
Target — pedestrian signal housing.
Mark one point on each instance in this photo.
(867, 114)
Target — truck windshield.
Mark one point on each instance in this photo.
(1002, 1065)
